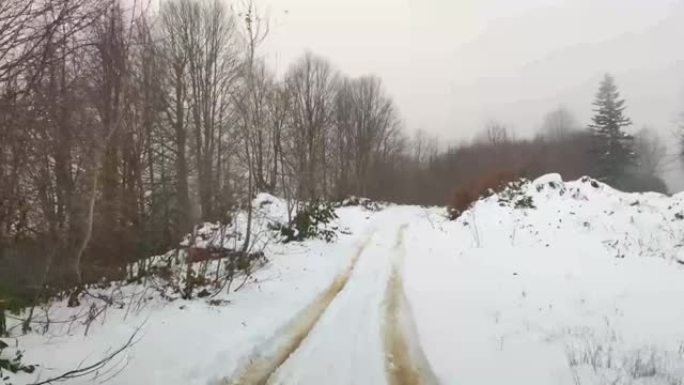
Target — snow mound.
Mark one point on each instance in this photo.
(551, 211)
(552, 281)
(548, 179)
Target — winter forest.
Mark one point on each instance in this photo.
(123, 125)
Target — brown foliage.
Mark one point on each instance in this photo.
(198, 254)
(483, 186)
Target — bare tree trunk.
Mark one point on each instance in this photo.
(73, 297)
(182, 191)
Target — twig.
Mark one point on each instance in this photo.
(93, 367)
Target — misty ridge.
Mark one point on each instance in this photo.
(155, 153)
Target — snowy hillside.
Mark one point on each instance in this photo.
(549, 283)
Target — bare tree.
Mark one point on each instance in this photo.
(108, 66)
(212, 64)
(650, 150)
(363, 117)
(174, 28)
(495, 133)
(679, 133)
(341, 143)
(559, 124)
(311, 83)
(251, 104)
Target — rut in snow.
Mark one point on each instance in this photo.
(404, 360)
(260, 369)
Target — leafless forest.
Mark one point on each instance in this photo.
(122, 125)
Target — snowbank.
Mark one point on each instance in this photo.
(584, 288)
(177, 341)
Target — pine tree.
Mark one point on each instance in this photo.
(613, 148)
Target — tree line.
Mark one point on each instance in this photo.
(602, 149)
(122, 126)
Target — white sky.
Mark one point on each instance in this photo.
(451, 65)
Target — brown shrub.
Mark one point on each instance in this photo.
(484, 186)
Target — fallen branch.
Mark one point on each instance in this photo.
(76, 373)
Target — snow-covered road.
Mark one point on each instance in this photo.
(358, 331)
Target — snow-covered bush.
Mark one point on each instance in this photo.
(515, 195)
(366, 203)
(485, 186)
(11, 362)
(310, 222)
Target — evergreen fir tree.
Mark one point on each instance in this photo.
(613, 148)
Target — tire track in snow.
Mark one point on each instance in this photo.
(405, 362)
(260, 369)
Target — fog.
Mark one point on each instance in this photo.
(454, 65)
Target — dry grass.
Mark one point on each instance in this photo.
(606, 358)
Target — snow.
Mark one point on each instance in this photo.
(536, 293)
(346, 343)
(584, 288)
(193, 342)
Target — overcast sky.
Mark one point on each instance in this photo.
(452, 65)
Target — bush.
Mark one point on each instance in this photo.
(13, 302)
(513, 195)
(12, 364)
(366, 203)
(310, 222)
(488, 184)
